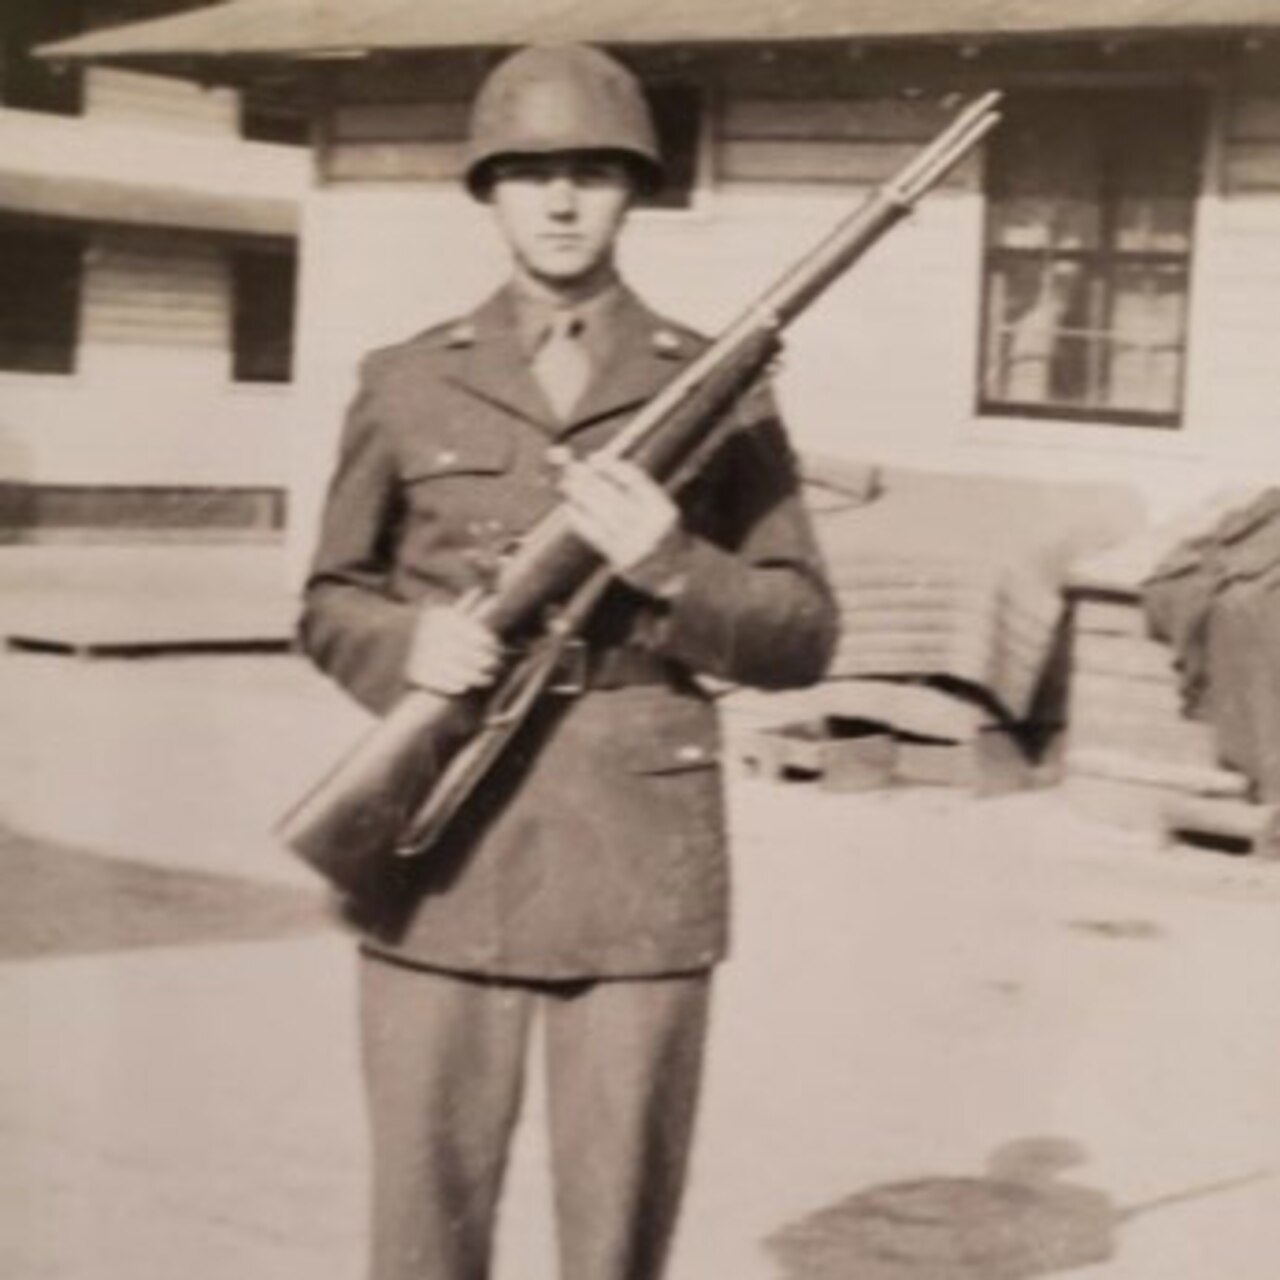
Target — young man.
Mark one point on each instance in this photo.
(587, 884)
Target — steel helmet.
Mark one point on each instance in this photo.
(551, 98)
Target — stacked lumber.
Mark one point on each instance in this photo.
(957, 577)
(1133, 757)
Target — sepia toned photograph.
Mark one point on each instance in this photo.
(636, 640)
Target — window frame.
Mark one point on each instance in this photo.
(1103, 264)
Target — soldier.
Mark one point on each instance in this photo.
(586, 886)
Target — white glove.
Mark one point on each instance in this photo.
(452, 651)
(619, 509)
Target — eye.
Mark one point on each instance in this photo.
(598, 173)
(516, 170)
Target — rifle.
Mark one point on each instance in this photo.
(397, 791)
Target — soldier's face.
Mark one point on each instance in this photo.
(561, 214)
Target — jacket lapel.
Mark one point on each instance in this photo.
(496, 369)
(642, 358)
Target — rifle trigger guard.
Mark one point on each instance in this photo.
(570, 677)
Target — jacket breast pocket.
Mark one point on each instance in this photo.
(482, 454)
(457, 479)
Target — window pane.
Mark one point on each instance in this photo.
(1044, 337)
(1043, 222)
(1151, 224)
(40, 285)
(1148, 321)
(1045, 178)
(1155, 172)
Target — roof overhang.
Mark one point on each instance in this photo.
(105, 201)
(257, 32)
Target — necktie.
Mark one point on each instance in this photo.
(561, 364)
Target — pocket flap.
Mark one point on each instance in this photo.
(484, 453)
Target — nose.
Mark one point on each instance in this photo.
(562, 196)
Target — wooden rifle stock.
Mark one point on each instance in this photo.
(397, 790)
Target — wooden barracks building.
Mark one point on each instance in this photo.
(1096, 296)
(148, 249)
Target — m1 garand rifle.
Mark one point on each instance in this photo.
(394, 795)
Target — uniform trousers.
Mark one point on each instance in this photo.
(445, 1058)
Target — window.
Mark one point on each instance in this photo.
(1089, 236)
(40, 273)
(263, 282)
(677, 119)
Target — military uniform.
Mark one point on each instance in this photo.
(597, 850)
(586, 881)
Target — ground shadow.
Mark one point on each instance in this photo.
(1018, 1220)
(61, 901)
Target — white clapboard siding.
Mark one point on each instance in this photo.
(1251, 151)
(128, 98)
(142, 290)
(852, 119)
(393, 162)
(401, 122)
(395, 142)
(1236, 378)
(815, 140)
(859, 142)
(769, 160)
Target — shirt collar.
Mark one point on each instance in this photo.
(534, 312)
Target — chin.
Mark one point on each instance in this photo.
(563, 273)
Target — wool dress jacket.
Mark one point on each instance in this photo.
(597, 848)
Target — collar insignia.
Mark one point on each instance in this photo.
(666, 343)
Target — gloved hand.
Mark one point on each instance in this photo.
(619, 509)
(452, 651)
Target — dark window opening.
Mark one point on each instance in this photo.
(263, 283)
(677, 118)
(1088, 255)
(40, 273)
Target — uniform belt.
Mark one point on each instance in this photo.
(582, 668)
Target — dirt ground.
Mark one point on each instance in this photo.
(959, 1039)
